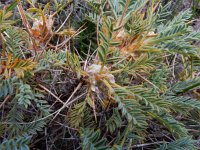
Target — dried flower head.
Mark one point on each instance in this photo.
(42, 28)
(96, 73)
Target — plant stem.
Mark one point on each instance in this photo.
(124, 11)
(26, 23)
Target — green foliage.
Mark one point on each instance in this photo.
(106, 41)
(164, 12)
(175, 34)
(76, 114)
(159, 79)
(6, 87)
(174, 126)
(92, 140)
(114, 121)
(5, 15)
(180, 144)
(19, 143)
(16, 38)
(183, 102)
(149, 99)
(25, 95)
(186, 85)
(131, 110)
(126, 75)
